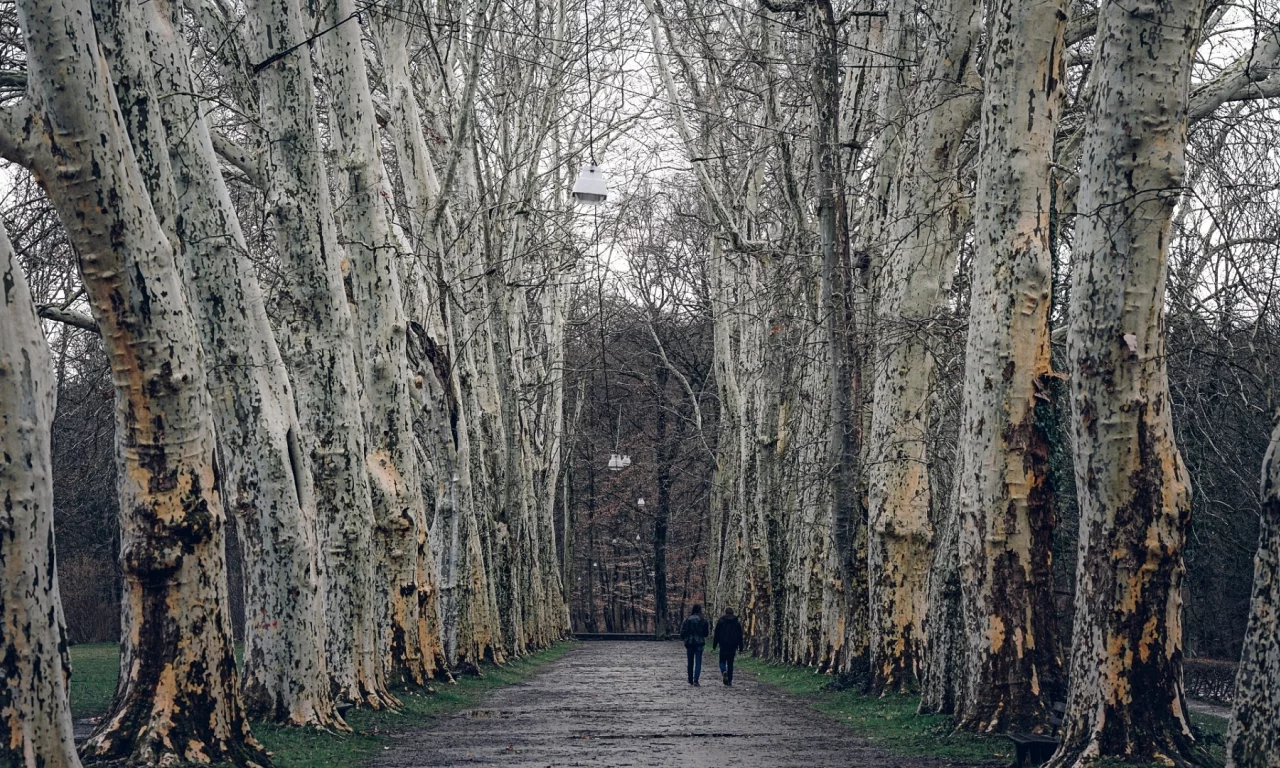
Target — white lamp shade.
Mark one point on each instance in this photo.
(615, 463)
(590, 188)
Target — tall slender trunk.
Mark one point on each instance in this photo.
(845, 577)
(664, 450)
(1253, 740)
(409, 604)
(34, 666)
(922, 225)
(266, 480)
(176, 699)
(1005, 503)
(1126, 697)
(318, 344)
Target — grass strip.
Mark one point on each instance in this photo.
(95, 668)
(891, 723)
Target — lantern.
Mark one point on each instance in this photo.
(590, 188)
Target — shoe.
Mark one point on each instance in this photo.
(724, 677)
(695, 682)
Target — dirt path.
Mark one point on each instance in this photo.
(614, 704)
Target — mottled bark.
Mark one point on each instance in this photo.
(468, 622)
(176, 699)
(943, 658)
(921, 233)
(1126, 696)
(1005, 505)
(1253, 737)
(841, 564)
(408, 621)
(266, 478)
(34, 666)
(318, 345)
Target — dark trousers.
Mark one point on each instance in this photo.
(695, 662)
(726, 664)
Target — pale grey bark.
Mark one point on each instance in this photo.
(408, 622)
(318, 344)
(266, 478)
(1012, 673)
(1126, 697)
(176, 699)
(33, 644)
(918, 243)
(1253, 740)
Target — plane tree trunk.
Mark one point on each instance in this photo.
(176, 700)
(922, 228)
(266, 477)
(1253, 741)
(317, 342)
(409, 620)
(1005, 503)
(34, 665)
(1126, 697)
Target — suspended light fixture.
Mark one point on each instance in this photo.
(590, 188)
(615, 462)
(640, 502)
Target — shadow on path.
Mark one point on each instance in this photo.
(614, 704)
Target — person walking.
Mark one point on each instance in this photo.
(728, 638)
(694, 633)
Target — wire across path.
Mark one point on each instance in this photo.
(612, 704)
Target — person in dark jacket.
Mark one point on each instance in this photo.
(728, 638)
(694, 633)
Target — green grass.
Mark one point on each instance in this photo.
(95, 667)
(891, 722)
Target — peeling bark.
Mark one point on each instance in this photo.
(1126, 698)
(408, 621)
(920, 234)
(317, 343)
(1253, 739)
(1005, 505)
(267, 478)
(34, 665)
(176, 699)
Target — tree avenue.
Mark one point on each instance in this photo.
(936, 339)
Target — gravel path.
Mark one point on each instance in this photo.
(614, 704)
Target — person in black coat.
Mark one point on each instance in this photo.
(694, 633)
(728, 638)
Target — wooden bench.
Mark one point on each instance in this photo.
(1038, 747)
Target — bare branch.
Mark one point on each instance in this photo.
(1255, 75)
(67, 317)
(243, 160)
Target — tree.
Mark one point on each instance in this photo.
(1252, 738)
(317, 342)
(1126, 697)
(266, 478)
(409, 609)
(176, 699)
(919, 241)
(1005, 503)
(33, 638)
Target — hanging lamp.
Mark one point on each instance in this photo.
(590, 188)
